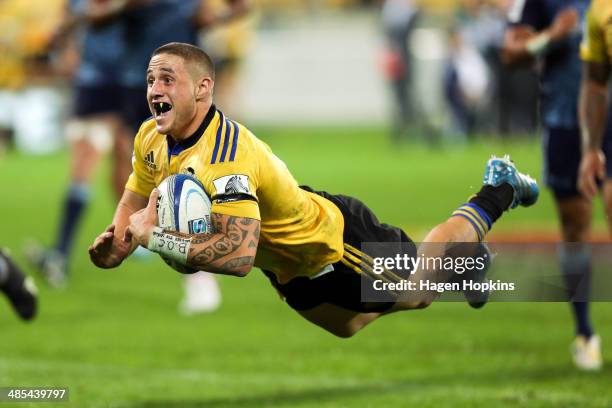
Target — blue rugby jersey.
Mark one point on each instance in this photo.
(561, 69)
(102, 50)
(151, 25)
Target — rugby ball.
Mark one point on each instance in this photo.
(183, 206)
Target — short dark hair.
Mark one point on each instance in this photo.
(189, 53)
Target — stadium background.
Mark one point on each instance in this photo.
(312, 89)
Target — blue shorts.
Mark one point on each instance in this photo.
(562, 154)
(130, 103)
(96, 100)
(135, 106)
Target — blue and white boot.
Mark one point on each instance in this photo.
(502, 170)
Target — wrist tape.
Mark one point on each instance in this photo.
(538, 45)
(169, 246)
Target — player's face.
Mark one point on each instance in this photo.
(171, 93)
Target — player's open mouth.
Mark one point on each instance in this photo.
(160, 108)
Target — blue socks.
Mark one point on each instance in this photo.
(576, 268)
(77, 199)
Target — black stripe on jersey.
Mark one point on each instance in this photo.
(235, 141)
(217, 138)
(225, 141)
(227, 198)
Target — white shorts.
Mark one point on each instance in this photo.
(96, 132)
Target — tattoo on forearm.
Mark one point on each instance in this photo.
(215, 251)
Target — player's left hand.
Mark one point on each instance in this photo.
(143, 222)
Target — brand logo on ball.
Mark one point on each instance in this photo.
(197, 226)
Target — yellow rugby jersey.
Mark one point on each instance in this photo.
(301, 232)
(597, 40)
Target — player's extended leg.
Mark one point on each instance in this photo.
(346, 323)
(504, 188)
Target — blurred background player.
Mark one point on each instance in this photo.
(95, 126)
(399, 18)
(548, 32)
(466, 83)
(18, 289)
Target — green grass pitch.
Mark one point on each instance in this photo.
(115, 338)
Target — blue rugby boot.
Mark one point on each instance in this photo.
(502, 170)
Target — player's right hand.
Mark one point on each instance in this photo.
(592, 168)
(107, 251)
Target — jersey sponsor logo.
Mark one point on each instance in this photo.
(232, 185)
(149, 160)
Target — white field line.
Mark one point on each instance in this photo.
(212, 377)
(418, 390)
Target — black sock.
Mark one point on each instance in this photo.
(494, 200)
